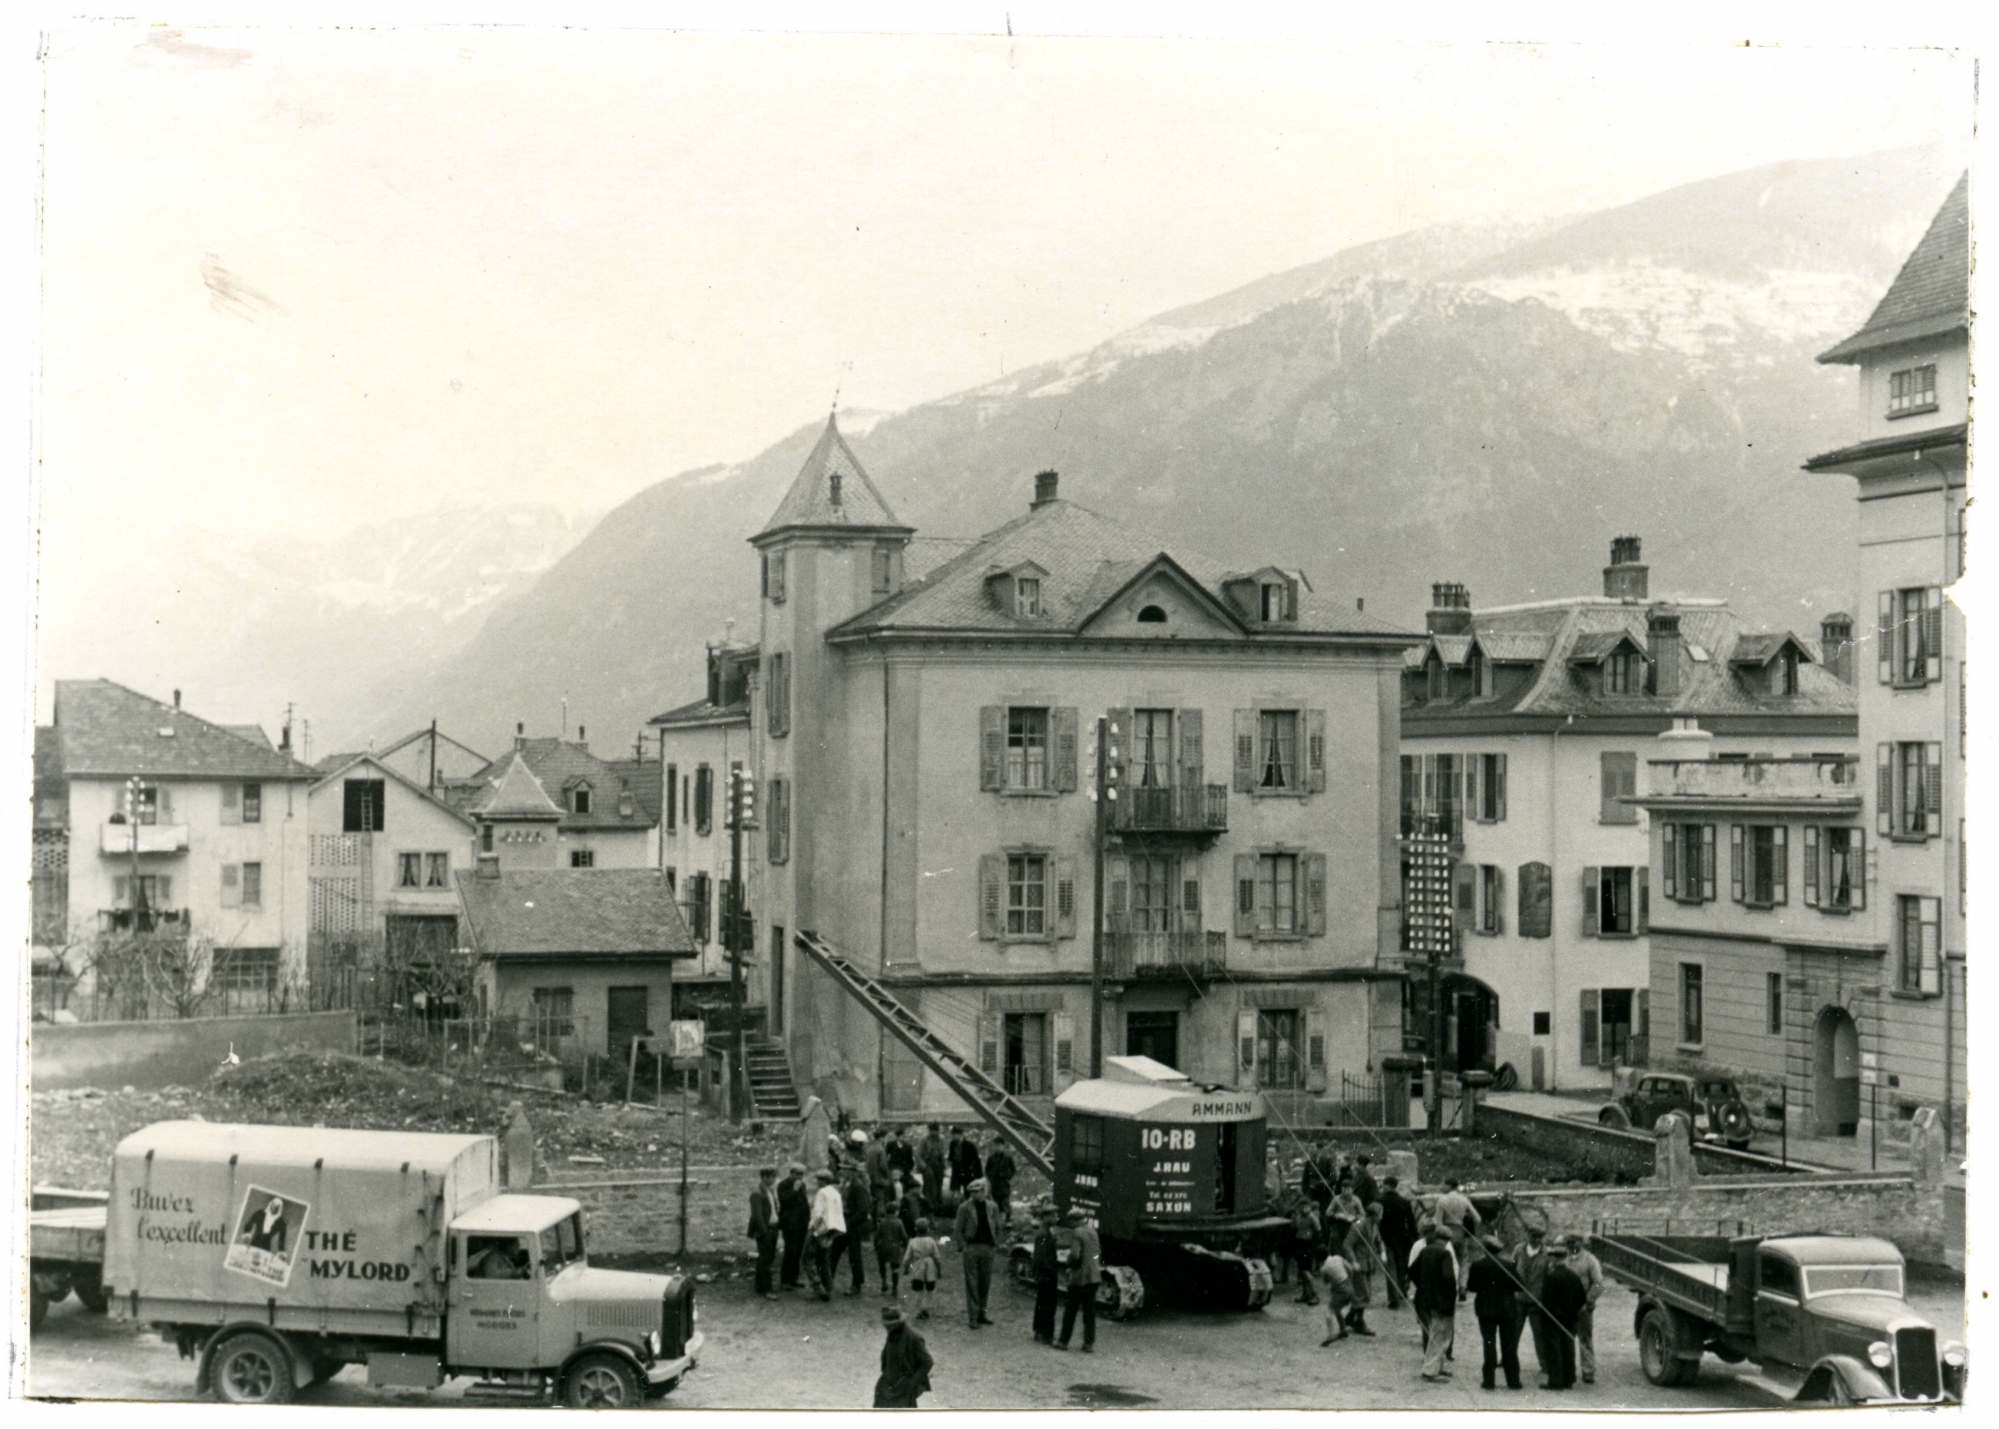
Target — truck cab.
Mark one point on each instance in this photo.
(1840, 1298)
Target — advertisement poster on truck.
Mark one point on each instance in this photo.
(269, 1227)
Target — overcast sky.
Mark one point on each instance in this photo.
(298, 279)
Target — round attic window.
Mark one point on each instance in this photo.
(1152, 615)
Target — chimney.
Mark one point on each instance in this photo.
(1662, 634)
(1836, 645)
(176, 699)
(1044, 489)
(489, 865)
(582, 738)
(520, 734)
(1450, 609)
(1625, 577)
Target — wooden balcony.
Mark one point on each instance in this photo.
(1189, 951)
(1180, 809)
(115, 839)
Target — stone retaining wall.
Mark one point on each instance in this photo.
(181, 1052)
(1574, 1143)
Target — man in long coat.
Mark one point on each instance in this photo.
(794, 1214)
(763, 1228)
(1530, 1271)
(906, 1364)
(1435, 1293)
(1497, 1304)
(1047, 1289)
(1398, 1229)
(1562, 1299)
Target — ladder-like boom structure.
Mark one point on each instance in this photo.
(1026, 1132)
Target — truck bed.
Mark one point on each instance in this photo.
(1690, 1273)
(66, 1225)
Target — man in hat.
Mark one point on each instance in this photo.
(874, 1156)
(1497, 1306)
(999, 1178)
(1047, 1287)
(1435, 1285)
(906, 1364)
(978, 1242)
(1562, 1300)
(859, 1208)
(1589, 1270)
(794, 1214)
(828, 1230)
(763, 1227)
(901, 1155)
(966, 1164)
(1398, 1229)
(1365, 1188)
(1085, 1267)
(930, 1156)
(1460, 1220)
(1530, 1275)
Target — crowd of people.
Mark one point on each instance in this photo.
(1355, 1241)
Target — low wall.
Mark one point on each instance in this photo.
(1575, 1143)
(151, 1055)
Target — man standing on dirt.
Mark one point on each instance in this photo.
(978, 1244)
(966, 1165)
(794, 1214)
(1497, 1306)
(1562, 1301)
(828, 1232)
(859, 1209)
(1435, 1277)
(1046, 1284)
(1086, 1272)
(1589, 1270)
(1460, 1220)
(763, 1227)
(906, 1364)
(999, 1171)
(931, 1154)
(901, 1155)
(1530, 1271)
(1398, 1229)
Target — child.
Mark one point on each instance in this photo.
(891, 1240)
(922, 1264)
(1338, 1276)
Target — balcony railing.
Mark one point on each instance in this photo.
(153, 838)
(153, 920)
(1795, 777)
(1192, 951)
(1176, 809)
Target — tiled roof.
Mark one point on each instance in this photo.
(252, 732)
(110, 731)
(1762, 648)
(1088, 559)
(1514, 646)
(700, 712)
(552, 912)
(1455, 649)
(556, 766)
(1585, 629)
(1900, 444)
(1932, 293)
(647, 781)
(810, 501)
(516, 794)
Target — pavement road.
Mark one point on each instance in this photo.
(796, 1353)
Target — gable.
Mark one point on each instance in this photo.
(1162, 589)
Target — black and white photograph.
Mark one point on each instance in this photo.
(976, 710)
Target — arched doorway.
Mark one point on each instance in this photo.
(1836, 1073)
(1471, 1023)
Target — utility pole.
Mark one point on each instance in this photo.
(1103, 794)
(132, 813)
(742, 815)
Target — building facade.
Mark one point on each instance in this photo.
(606, 815)
(172, 824)
(925, 742)
(1523, 732)
(1908, 466)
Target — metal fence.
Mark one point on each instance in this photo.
(1367, 1101)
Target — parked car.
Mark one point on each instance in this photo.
(1712, 1104)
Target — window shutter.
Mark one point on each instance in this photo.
(1315, 1050)
(1498, 899)
(1735, 869)
(1314, 865)
(1315, 751)
(1933, 633)
(1707, 863)
(1642, 876)
(1641, 1024)
(1471, 787)
(763, 576)
(1857, 844)
(1063, 1028)
(1933, 788)
(1608, 809)
(1669, 861)
(1592, 877)
(992, 747)
(1245, 751)
(1065, 897)
(1193, 774)
(992, 893)
(1464, 897)
(1932, 946)
(232, 886)
(1884, 789)
(672, 797)
(1245, 1036)
(1499, 788)
(1780, 859)
(1118, 758)
(1590, 1051)
(1884, 640)
(1811, 865)
(1062, 733)
(1245, 895)
(232, 810)
(166, 887)
(1117, 893)
(989, 1043)
(1190, 897)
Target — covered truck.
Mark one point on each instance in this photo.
(273, 1256)
(1822, 1317)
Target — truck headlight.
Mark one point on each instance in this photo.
(652, 1342)
(1954, 1355)
(1879, 1355)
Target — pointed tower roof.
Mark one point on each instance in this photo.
(517, 794)
(832, 491)
(1932, 293)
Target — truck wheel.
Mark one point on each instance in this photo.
(1614, 1116)
(1658, 1352)
(38, 1309)
(251, 1369)
(90, 1290)
(601, 1381)
(1122, 1293)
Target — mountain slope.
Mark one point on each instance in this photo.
(1487, 408)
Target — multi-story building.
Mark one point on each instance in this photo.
(924, 745)
(1523, 728)
(150, 818)
(1908, 464)
(699, 744)
(384, 852)
(606, 819)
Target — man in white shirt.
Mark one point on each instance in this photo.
(827, 1231)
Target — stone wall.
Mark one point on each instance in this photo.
(1579, 1144)
(183, 1052)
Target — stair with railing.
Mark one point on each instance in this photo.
(773, 1095)
(1027, 1133)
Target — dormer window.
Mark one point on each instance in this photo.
(1027, 596)
(579, 799)
(1438, 678)
(1623, 673)
(884, 570)
(1481, 673)
(1274, 601)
